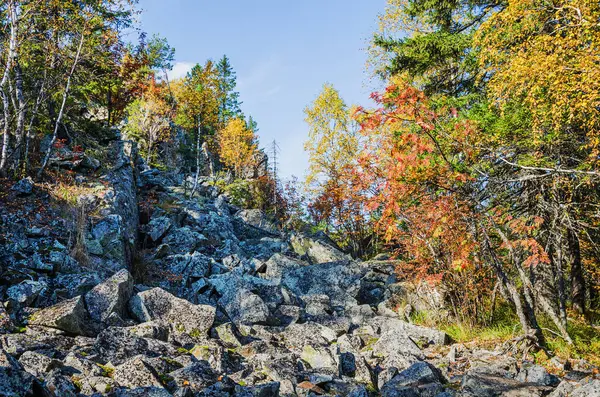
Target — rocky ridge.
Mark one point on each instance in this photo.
(195, 297)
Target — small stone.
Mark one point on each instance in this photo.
(24, 187)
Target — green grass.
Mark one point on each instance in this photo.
(505, 326)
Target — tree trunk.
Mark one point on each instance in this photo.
(62, 107)
(20, 130)
(197, 177)
(32, 121)
(577, 277)
(12, 12)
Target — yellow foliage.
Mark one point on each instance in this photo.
(333, 135)
(547, 55)
(237, 145)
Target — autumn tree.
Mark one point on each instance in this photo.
(537, 58)
(148, 122)
(332, 137)
(237, 146)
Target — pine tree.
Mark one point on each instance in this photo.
(229, 106)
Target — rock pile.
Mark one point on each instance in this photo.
(222, 304)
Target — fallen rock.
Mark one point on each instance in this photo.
(181, 315)
(476, 384)
(14, 381)
(135, 373)
(110, 297)
(196, 377)
(117, 345)
(318, 250)
(258, 219)
(69, 316)
(38, 364)
(24, 187)
(158, 227)
(414, 377)
(245, 307)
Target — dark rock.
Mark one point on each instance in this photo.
(110, 297)
(25, 293)
(24, 187)
(158, 227)
(117, 345)
(6, 324)
(14, 381)
(183, 240)
(196, 377)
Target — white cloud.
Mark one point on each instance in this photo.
(180, 69)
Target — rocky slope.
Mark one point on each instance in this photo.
(167, 295)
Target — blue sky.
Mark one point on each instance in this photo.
(283, 52)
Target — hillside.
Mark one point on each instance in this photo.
(197, 297)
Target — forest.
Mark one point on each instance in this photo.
(473, 166)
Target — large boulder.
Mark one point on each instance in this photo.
(397, 327)
(136, 372)
(418, 376)
(278, 264)
(110, 297)
(69, 316)
(258, 219)
(14, 381)
(338, 280)
(318, 249)
(117, 345)
(182, 316)
(25, 293)
(158, 227)
(24, 187)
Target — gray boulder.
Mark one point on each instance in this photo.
(182, 316)
(24, 187)
(135, 373)
(69, 316)
(417, 375)
(475, 384)
(151, 329)
(245, 307)
(184, 240)
(38, 364)
(536, 374)
(14, 381)
(158, 227)
(196, 377)
(117, 345)
(278, 263)
(591, 389)
(258, 219)
(25, 293)
(318, 249)
(110, 297)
